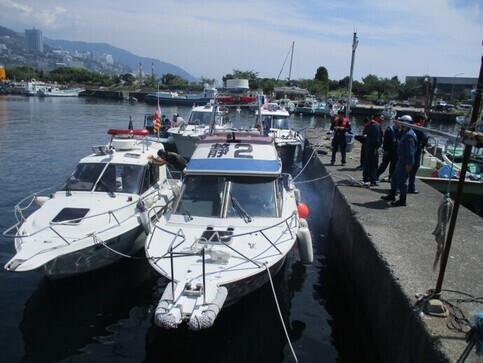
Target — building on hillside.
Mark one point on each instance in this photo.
(34, 40)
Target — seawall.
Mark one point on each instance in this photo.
(385, 255)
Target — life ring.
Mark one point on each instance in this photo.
(128, 132)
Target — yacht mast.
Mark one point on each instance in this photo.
(291, 59)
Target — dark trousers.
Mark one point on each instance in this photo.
(338, 143)
(370, 166)
(388, 158)
(414, 170)
(399, 179)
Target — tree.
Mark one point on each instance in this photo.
(322, 78)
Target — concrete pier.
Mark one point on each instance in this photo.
(386, 255)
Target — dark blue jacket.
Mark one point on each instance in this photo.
(406, 149)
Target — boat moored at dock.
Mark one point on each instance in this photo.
(233, 225)
(99, 215)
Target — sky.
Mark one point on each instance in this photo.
(211, 38)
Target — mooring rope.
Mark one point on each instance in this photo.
(444, 215)
(280, 313)
(97, 240)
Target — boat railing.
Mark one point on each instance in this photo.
(172, 253)
(179, 238)
(19, 215)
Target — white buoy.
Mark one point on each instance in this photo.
(304, 238)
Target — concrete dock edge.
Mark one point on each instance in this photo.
(386, 255)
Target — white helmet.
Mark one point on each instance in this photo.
(406, 118)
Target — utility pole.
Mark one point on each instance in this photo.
(355, 42)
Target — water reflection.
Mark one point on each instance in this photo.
(61, 319)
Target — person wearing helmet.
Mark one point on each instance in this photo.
(405, 162)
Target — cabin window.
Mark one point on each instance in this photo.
(84, 177)
(252, 197)
(201, 196)
(281, 123)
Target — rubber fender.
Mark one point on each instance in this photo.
(304, 238)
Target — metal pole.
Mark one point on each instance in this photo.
(452, 86)
(355, 42)
(466, 157)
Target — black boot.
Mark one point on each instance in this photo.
(390, 197)
(401, 202)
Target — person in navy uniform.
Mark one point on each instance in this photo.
(405, 162)
(340, 125)
(422, 142)
(389, 145)
(373, 132)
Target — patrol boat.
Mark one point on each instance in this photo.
(99, 215)
(235, 221)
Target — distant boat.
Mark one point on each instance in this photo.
(276, 123)
(307, 107)
(185, 99)
(33, 87)
(59, 92)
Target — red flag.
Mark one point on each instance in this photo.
(157, 119)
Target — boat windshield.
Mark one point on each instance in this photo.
(120, 178)
(199, 118)
(228, 197)
(254, 196)
(280, 123)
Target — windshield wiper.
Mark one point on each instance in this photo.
(185, 211)
(242, 212)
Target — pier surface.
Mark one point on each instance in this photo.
(386, 255)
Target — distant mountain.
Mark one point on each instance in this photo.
(122, 56)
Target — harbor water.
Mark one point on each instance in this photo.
(107, 315)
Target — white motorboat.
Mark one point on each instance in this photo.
(99, 215)
(59, 92)
(199, 124)
(276, 123)
(235, 221)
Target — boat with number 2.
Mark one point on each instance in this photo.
(234, 223)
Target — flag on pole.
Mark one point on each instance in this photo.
(157, 119)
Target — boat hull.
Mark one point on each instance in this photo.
(177, 101)
(96, 256)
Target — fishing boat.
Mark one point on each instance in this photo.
(99, 215)
(59, 92)
(33, 87)
(233, 225)
(276, 123)
(185, 99)
(307, 107)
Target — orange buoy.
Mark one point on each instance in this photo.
(303, 210)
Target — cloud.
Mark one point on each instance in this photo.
(211, 38)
